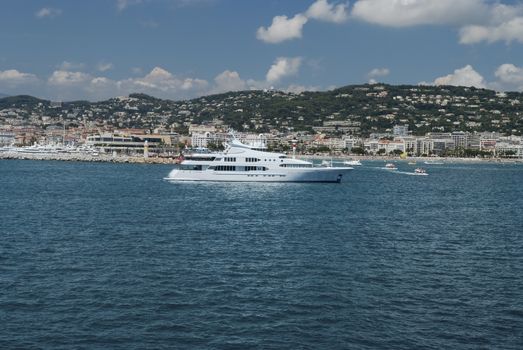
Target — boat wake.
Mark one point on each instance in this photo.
(396, 171)
(408, 173)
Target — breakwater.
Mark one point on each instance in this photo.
(86, 157)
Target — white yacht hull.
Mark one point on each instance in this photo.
(333, 174)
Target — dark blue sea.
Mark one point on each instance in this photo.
(110, 256)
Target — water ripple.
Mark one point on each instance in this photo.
(110, 256)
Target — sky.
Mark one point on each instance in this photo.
(178, 49)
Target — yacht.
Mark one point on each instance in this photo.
(245, 163)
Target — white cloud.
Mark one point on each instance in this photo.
(63, 84)
(228, 81)
(285, 28)
(465, 76)
(403, 13)
(158, 82)
(282, 28)
(66, 65)
(104, 66)
(65, 78)
(100, 88)
(511, 30)
(300, 88)
(505, 23)
(510, 76)
(12, 78)
(502, 13)
(123, 4)
(479, 20)
(283, 67)
(162, 83)
(48, 12)
(323, 11)
(101, 81)
(378, 72)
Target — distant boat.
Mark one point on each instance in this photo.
(352, 162)
(413, 162)
(420, 171)
(390, 166)
(434, 162)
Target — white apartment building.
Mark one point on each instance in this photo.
(425, 146)
(504, 147)
(202, 140)
(411, 145)
(391, 146)
(371, 146)
(461, 139)
(351, 142)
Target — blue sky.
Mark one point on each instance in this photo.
(65, 50)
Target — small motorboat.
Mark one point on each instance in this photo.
(391, 166)
(352, 162)
(420, 171)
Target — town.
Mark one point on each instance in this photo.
(365, 119)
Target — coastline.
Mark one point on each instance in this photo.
(109, 158)
(412, 159)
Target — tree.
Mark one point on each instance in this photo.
(357, 150)
(507, 154)
(215, 146)
(396, 152)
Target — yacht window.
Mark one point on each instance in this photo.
(229, 159)
(295, 165)
(190, 167)
(224, 168)
(199, 158)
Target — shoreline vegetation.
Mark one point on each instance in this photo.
(110, 158)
